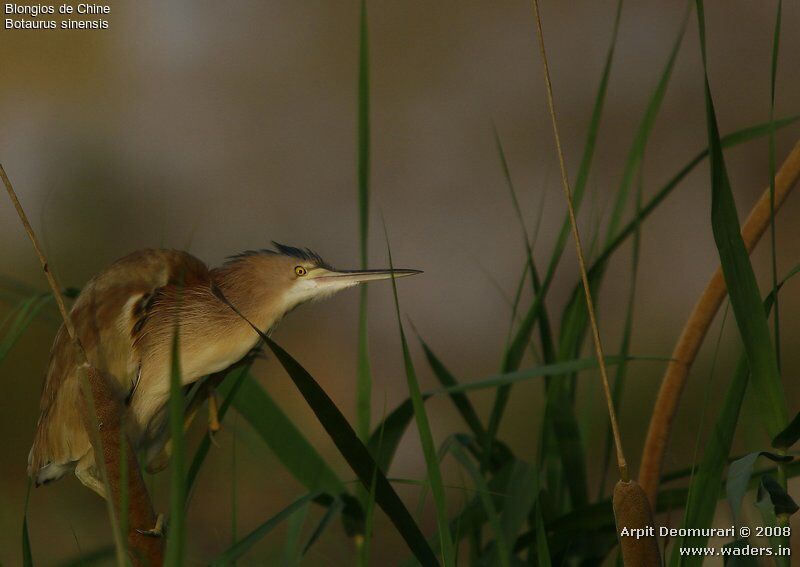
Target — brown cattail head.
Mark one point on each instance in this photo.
(635, 528)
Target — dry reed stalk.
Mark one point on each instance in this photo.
(631, 507)
(105, 433)
(51, 280)
(622, 464)
(696, 328)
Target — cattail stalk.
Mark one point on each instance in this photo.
(697, 326)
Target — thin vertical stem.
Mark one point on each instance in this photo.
(364, 376)
(621, 462)
(42, 260)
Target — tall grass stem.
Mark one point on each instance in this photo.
(621, 462)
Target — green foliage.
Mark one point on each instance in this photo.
(790, 434)
(364, 383)
(702, 500)
(228, 389)
(739, 275)
(27, 554)
(176, 542)
(354, 452)
(18, 321)
(461, 401)
(636, 152)
(739, 474)
(759, 360)
(285, 440)
(241, 547)
(333, 510)
(779, 499)
(542, 546)
(425, 435)
(703, 493)
(294, 529)
(503, 550)
(776, 42)
(515, 351)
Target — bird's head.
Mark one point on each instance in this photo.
(289, 276)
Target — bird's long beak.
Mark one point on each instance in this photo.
(352, 277)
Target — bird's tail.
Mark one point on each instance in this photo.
(52, 455)
(47, 473)
(40, 472)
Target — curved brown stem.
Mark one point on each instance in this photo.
(143, 549)
(696, 328)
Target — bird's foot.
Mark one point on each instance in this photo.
(155, 531)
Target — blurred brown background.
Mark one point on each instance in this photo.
(218, 127)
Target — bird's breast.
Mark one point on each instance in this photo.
(203, 357)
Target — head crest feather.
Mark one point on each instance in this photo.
(303, 254)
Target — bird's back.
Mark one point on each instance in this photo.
(106, 316)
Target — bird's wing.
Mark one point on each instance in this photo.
(106, 316)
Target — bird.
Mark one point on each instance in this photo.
(126, 317)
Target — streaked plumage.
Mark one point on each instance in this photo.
(125, 318)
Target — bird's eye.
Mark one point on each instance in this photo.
(300, 271)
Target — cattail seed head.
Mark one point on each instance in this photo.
(632, 511)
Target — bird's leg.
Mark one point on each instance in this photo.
(158, 459)
(87, 473)
(209, 388)
(158, 456)
(160, 452)
(162, 458)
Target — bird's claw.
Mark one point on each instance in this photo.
(155, 531)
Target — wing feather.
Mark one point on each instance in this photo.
(107, 315)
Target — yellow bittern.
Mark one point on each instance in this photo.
(126, 317)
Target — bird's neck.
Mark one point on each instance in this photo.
(246, 290)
